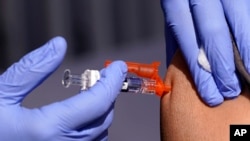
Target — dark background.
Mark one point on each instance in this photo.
(96, 30)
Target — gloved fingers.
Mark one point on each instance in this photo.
(82, 109)
(103, 136)
(179, 19)
(31, 70)
(237, 14)
(215, 38)
(171, 45)
(97, 130)
(45, 126)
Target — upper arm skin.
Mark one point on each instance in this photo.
(184, 117)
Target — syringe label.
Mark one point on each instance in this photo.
(132, 84)
(125, 86)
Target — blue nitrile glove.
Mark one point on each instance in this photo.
(202, 23)
(83, 117)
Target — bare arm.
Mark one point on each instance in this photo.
(184, 117)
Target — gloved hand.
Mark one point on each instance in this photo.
(205, 23)
(85, 116)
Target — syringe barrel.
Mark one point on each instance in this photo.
(71, 79)
(139, 85)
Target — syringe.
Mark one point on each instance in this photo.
(148, 81)
(90, 77)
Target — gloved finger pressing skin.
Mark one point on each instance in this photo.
(90, 105)
(171, 45)
(179, 20)
(238, 17)
(215, 38)
(31, 70)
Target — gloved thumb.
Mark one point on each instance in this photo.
(23, 76)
